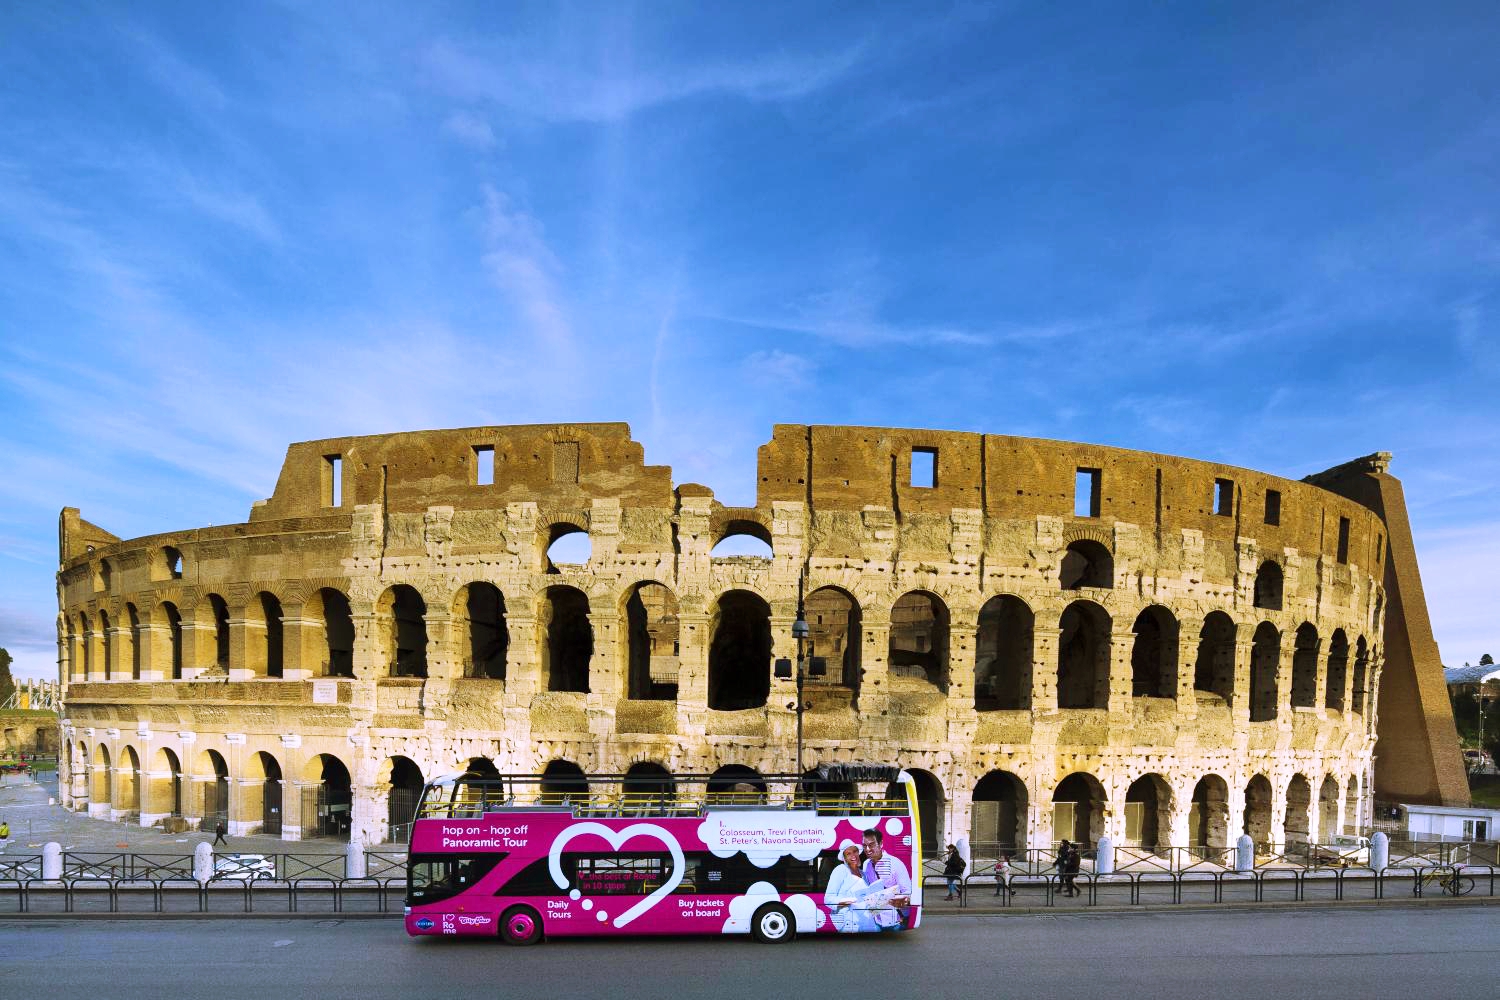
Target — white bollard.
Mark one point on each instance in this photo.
(203, 862)
(1104, 857)
(1380, 851)
(1244, 854)
(354, 859)
(52, 860)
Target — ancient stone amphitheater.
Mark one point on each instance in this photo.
(1058, 640)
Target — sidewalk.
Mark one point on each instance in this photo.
(24, 805)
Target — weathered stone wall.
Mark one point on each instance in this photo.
(209, 650)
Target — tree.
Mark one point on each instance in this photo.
(7, 685)
(1486, 660)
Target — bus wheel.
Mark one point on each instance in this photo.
(521, 925)
(773, 924)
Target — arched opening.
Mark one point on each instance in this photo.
(213, 778)
(484, 634)
(270, 609)
(1208, 821)
(1078, 806)
(919, 638)
(1265, 656)
(569, 644)
(1361, 677)
(87, 635)
(1153, 655)
(481, 767)
(735, 784)
(174, 638)
(1087, 563)
(262, 791)
(136, 641)
(327, 802)
(1083, 657)
(338, 632)
(107, 638)
(99, 790)
(72, 650)
(997, 815)
(1258, 812)
(1328, 809)
(653, 651)
(932, 808)
(743, 540)
(127, 803)
(1213, 671)
(406, 630)
(563, 781)
(171, 560)
(568, 547)
(1148, 812)
(164, 796)
(739, 657)
(1338, 669)
(826, 794)
(1268, 586)
(834, 630)
(220, 611)
(1305, 667)
(1298, 810)
(1003, 652)
(402, 796)
(647, 786)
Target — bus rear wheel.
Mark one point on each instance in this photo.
(773, 924)
(521, 925)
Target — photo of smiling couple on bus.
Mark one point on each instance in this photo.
(869, 890)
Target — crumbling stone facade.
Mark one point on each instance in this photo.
(1058, 640)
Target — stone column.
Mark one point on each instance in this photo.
(118, 666)
(1121, 684)
(961, 643)
(247, 648)
(198, 647)
(156, 797)
(692, 661)
(304, 653)
(523, 672)
(1278, 817)
(1285, 652)
(605, 682)
(1044, 646)
(1320, 690)
(1244, 647)
(294, 825)
(95, 639)
(156, 651)
(1179, 818)
(875, 675)
(1187, 657)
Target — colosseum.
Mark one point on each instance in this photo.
(1056, 639)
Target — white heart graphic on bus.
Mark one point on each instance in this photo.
(616, 839)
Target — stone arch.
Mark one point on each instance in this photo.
(261, 794)
(107, 644)
(403, 788)
(211, 774)
(402, 614)
(835, 629)
(1268, 585)
(1079, 804)
(137, 640)
(998, 814)
(1208, 820)
(482, 767)
(266, 644)
(1148, 812)
(1086, 563)
(1328, 808)
(1361, 677)
(1265, 660)
(652, 650)
(739, 654)
(1083, 656)
(1258, 807)
(1305, 667)
(483, 637)
(568, 641)
(127, 798)
(1338, 669)
(174, 638)
(218, 618)
(564, 547)
(71, 642)
(330, 608)
(1003, 654)
(932, 806)
(164, 792)
(100, 792)
(647, 786)
(87, 638)
(1153, 654)
(327, 798)
(1299, 801)
(562, 781)
(1352, 815)
(742, 538)
(735, 784)
(1213, 671)
(919, 638)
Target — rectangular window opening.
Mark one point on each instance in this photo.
(924, 467)
(1343, 539)
(484, 465)
(333, 480)
(1224, 497)
(1379, 539)
(1086, 493)
(1273, 506)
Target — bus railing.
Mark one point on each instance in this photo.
(635, 804)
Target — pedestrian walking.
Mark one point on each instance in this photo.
(1064, 859)
(1070, 869)
(1002, 874)
(953, 870)
(219, 831)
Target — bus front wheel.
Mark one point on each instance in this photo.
(521, 925)
(773, 924)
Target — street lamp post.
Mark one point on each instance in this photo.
(814, 667)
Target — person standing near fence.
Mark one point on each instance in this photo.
(1002, 874)
(953, 870)
(1070, 868)
(1064, 860)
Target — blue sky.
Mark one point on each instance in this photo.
(1261, 234)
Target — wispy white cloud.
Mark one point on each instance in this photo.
(524, 267)
(778, 370)
(470, 129)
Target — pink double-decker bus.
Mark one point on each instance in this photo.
(835, 851)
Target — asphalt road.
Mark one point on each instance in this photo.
(1356, 953)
